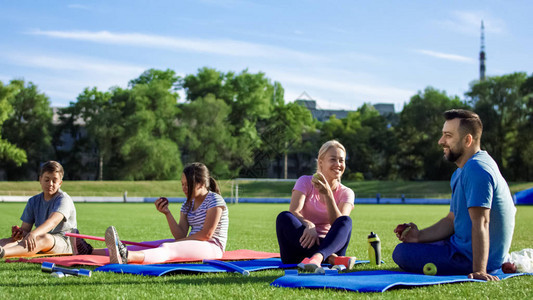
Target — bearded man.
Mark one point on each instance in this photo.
(475, 236)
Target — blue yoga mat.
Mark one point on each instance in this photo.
(370, 281)
(209, 266)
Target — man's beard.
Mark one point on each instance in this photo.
(453, 156)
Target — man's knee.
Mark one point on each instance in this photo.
(400, 253)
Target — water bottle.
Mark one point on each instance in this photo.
(374, 249)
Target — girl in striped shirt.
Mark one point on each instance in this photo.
(205, 213)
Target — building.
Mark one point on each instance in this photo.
(322, 115)
(384, 109)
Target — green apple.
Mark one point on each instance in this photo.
(430, 269)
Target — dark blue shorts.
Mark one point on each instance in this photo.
(412, 257)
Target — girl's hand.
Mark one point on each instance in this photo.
(309, 237)
(161, 205)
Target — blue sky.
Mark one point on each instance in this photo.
(342, 53)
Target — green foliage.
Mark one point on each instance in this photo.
(238, 124)
(209, 135)
(9, 153)
(419, 129)
(208, 81)
(168, 78)
(29, 127)
(520, 161)
(150, 150)
(369, 143)
(134, 131)
(503, 109)
(281, 134)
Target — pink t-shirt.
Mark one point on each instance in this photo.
(315, 210)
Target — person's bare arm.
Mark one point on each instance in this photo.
(438, 231)
(480, 217)
(212, 218)
(30, 240)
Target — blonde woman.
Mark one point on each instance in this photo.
(317, 227)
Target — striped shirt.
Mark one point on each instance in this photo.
(196, 218)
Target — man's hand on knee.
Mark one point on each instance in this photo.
(483, 276)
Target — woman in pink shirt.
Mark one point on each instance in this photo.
(317, 227)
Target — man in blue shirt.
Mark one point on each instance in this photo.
(476, 234)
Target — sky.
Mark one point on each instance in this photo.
(341, 53)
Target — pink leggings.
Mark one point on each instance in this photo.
(183, 249)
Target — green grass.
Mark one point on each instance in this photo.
(172, 188)
(252, 227)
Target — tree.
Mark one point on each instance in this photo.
(9, 153)
(502, 108)
(29, 127)
(149, 148)
(168, 78)
(520, 161)
(132, 133)
(251, 99)
(208, 81)
(367, 139)
(94, 139)
(420, 127)
(209, 135)
(281, 135)
(375, 145)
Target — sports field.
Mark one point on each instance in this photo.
(251, 227)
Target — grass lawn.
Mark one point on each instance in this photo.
(252, 227)
(172, 188)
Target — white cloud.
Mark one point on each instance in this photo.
(226, 47)
(469, 22)
(80, 64)
(63, 77)
(344, 93)
(79, 6)
(446, 56)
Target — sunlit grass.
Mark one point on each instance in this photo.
(172, 188)
(251, 227)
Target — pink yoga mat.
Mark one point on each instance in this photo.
(97, 238)
(97, 260)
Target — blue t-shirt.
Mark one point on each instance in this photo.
(480, 184)
(37, 211)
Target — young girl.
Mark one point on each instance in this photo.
(204, 212)
(317, 227)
